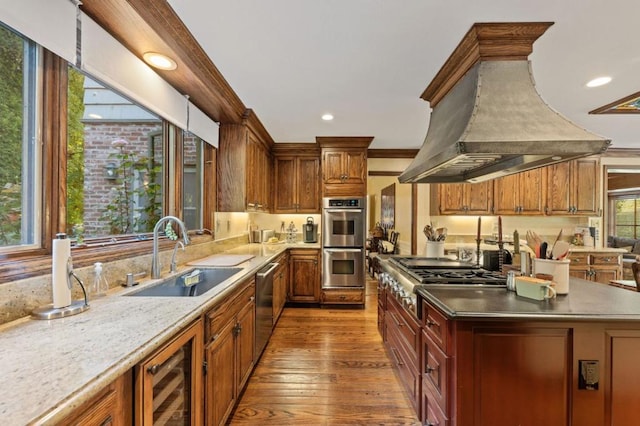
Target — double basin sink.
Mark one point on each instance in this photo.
(190, 284)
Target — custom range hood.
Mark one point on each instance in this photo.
(487, 118)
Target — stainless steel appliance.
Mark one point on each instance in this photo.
(402, 274)
(343, 222)
(343, 241)
(310, 231)
(264, 306)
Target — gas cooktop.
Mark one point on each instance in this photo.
(428, 270)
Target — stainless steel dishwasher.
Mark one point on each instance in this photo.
(264, 306)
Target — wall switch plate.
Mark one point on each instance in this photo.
(589, 374)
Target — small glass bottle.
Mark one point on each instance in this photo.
(100, 284)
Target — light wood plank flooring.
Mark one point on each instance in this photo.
(325, 367)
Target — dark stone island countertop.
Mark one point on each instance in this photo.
(586, 301)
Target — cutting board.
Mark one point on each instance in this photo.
(222, 260)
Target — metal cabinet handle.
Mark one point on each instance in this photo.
(430, 323)
(429, 369)
(153, 369)
(395, 355)
(214, 337)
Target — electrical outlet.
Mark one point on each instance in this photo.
(589, 374)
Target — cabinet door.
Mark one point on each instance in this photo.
(533, 190)
(304, 278)
(245, 337)
(585, 186)
(221, 388)
(622, 397)
(465, 198)
(604, 276)
(169, 385)
(307, 185)
(332, 168)
(285, 178)
(502, 357)
(355, 164)
(559, 191)
(280, 281)
(506, 195)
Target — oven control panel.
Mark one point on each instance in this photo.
(344, 202)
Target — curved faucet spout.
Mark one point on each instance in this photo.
(155, 261)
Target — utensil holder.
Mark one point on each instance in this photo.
(435, 249)
(558, 268)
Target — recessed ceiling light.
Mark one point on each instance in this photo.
(327, 117)
(160, 61)
(600, 81)
(94, 115)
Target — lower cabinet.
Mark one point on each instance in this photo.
(110, 407)
(304, 276)
(402, 341)
(512, 372)
(599, 266)
(229, 357)
(339, 296)
(280, 285)
(168, 384)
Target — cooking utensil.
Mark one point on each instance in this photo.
(543, 250)
(560, 250)
(554, 243)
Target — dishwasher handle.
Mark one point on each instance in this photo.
(268, 270)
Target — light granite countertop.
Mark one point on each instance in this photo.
(50, 367)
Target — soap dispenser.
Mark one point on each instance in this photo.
(100, 284)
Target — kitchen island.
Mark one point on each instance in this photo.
(491, 357)
(50, 368)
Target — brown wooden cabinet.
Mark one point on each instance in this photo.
(280, 285)
(296, 178)
(462, 198)
(344, 165)
(520, 193)
(229, 351)
(600, 266)
(573, 188)
(244, 166)
(342, 296)
(110, 407)
(402, 341)
(169, 383)
(304, 276)
(489, 372)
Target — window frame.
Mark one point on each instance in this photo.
(29, 262)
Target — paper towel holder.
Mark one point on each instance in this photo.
(48, 312)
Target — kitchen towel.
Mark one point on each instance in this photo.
(60, 273)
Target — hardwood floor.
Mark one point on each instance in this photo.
(325, 367)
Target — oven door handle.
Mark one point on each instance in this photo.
(343, 210)
(342, 250)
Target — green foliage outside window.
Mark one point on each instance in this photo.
(11, 125)
(75, 154)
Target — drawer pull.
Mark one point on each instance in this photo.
(153, 369)
(430, 369)
(428, 423)
(430, 323)
(214, 337)
(395, 355)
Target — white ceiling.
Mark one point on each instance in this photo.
(368, 61)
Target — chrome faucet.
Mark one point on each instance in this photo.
(155, 260)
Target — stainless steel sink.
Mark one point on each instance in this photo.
(189, 284)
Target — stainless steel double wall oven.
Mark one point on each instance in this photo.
(343, 241)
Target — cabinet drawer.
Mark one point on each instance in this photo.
(223, 313)
(435, 370)
(404, 362)
(343, 296)
(605, 259)
(578, 259)
(432, 413)
(407, 327)
(435, 324)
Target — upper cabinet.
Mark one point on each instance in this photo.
(296, 173)
(462, 198)
(344, 165)
(574, 188)
(520, 193)
(244, 166)
(563, 189)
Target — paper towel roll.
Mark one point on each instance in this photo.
(59, 274)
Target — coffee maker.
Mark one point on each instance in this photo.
(310, 231)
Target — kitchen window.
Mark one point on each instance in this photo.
(20, 207)
(626, 216)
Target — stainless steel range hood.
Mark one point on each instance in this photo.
(488, 119)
